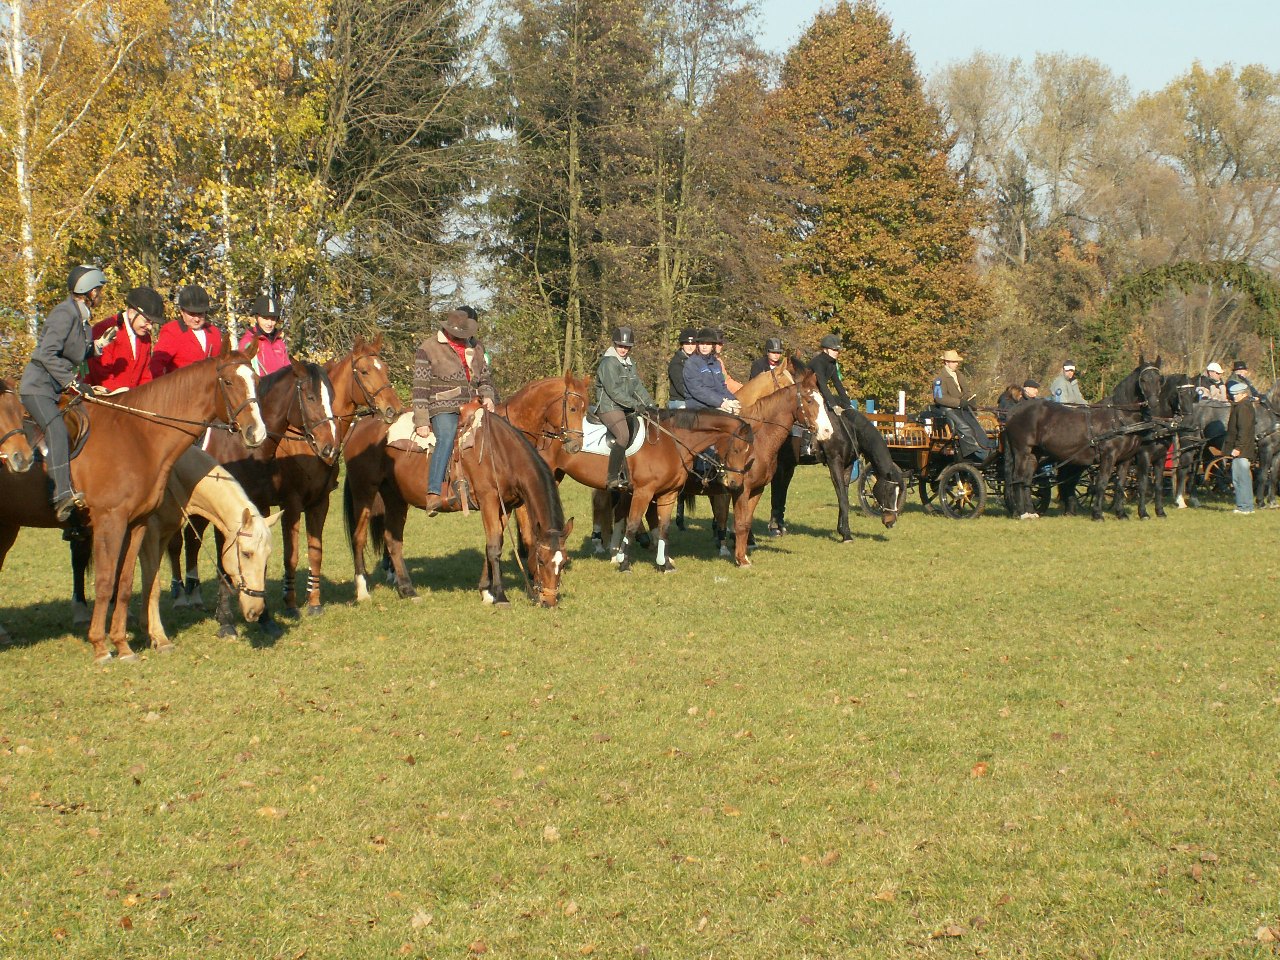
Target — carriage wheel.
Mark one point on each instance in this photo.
(962, 494)
(1216, 483)
(866, 484)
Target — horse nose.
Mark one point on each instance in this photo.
(328, 452)
(389, 414)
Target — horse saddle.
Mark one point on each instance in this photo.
(596, 436)
(402, 436)
(73, 416)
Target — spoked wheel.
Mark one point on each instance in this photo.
(962, 495)
(867, 484)
(1217, 479)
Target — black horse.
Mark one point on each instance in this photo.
(1177, 397)
(855, 436)
(1108, 434)
(1202, 426)
(1267, 425)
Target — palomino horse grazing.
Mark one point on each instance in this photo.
(771, 419)
(551, 411)
(199, 486)
(501, 471)
(297, 401)
(1079, 436)
(134, 440)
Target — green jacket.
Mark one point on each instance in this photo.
(618, 385)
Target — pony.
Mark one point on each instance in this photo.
(123, 469)
(1108, 434)
(297, 402)
(550, 411)
(497, 466)
(771, 418)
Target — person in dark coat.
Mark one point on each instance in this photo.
(449, 371)
(66, 341)
(825, 364)
(771, 360)
(704, 384)
(1242, 443)
(619, 392)
(1240, 374)
(952, 392)
(675, 368)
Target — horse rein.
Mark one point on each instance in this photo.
(231, 426)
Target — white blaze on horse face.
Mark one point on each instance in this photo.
(377, 364)
(327, 399)
(258, 431)
(556, 560)
(824, 428)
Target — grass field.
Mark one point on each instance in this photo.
(991, 738)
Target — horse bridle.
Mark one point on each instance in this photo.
(565, 433)
(358, 376)
(308, 429)
(232, 424)
(5, 439)
(238, 585)
(723, 468)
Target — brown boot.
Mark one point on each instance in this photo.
(432, 504)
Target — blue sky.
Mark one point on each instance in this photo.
(1149, 42)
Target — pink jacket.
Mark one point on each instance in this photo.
(272, 352)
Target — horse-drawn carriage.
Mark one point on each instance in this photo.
(925, 449)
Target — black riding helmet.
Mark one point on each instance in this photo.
(773, 345)
(148, 302)
(719, 335)
(830, 342)
(623, 337)
(688, 335)
(708, 335)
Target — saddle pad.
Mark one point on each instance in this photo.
(402, 435)
(595, 435)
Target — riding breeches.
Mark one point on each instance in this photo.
(49, 418)
(615, 422)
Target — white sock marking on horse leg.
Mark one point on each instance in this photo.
(616, 540)
(362, 590)
(662, 552)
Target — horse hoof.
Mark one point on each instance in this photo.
(744, 562)
(165, 647)
(103, 660)
(129, 657)
(226, 632)
(502, 604)
(407, 593)
(196, 602)
(289, 612)
(667, 567)
(724, 551)
(846, 538)
(179, 601)
(486, 596)
(271, 628)
(315, 610)
(624, 566)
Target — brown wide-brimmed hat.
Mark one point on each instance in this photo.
(948, 355)
(460, 323)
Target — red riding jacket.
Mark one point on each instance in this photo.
(124, 363)
(178, 347)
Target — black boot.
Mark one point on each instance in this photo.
(618, 476)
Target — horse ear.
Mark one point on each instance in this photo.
(359, 342)
(226, 344)
(377, 343)
(299, 368)
(252, 350)
(568, 378)
(568, 529)
(274, 518)
(1157, 361)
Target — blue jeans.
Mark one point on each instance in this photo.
(1242, 479)
(445, 427)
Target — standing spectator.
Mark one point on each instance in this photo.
(272, 352)
(1242, 442)
(449, 371)
(1065, 388)
(125, 363)
(1240, 374)
(825, 364)
(675, 369)
(788, 453)
(189, 339)
(1209, 385)
(65, 342)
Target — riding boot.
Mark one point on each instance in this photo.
(618, 476)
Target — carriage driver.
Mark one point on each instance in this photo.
(66, 341)
(951, 392)
(619, 392)
(449, 370)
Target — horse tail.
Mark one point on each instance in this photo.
(689, 501)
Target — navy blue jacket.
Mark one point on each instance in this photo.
(704, 382)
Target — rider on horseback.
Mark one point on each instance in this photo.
(830, 383)
(619, 393)
(449, 371)
(126, 362)
(273, 353)
(66, 341)
(675, 368)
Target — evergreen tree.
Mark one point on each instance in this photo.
(880, 243)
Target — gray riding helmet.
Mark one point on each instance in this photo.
(85, 278)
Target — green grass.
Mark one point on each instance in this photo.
(1049, 739)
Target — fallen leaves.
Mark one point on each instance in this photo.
(551, 833)
(272, 813)
(980, 769)
(950, 930)
(421, 919)
(1269, 934)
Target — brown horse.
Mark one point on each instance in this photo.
(15, 449)
(551, 411)
(501, 471)
(300, 478)
(771, 419)
(124, 466)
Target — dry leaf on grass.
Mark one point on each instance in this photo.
(980, 769)
(570, 909)
(126, 923)
(551, 833)
(271, 813)
(420, 919)
(830, 858)
(1269, 934)
(478, 947)
(887, 895)
(950, 930)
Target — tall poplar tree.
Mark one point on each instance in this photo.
(880, 244)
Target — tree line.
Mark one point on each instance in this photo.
(590, 163)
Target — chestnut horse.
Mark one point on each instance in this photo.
(15, 449)
(123, 469)
(550, 412)
(501, 471)
(771, 419)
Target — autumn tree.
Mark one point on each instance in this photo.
(880, 242)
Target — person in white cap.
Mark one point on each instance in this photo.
(1065, 388)
(1210, 385)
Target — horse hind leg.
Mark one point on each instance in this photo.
(81, 552)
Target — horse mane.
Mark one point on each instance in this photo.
(870, 442)
(543, 477)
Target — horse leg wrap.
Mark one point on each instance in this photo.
(313, 584)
